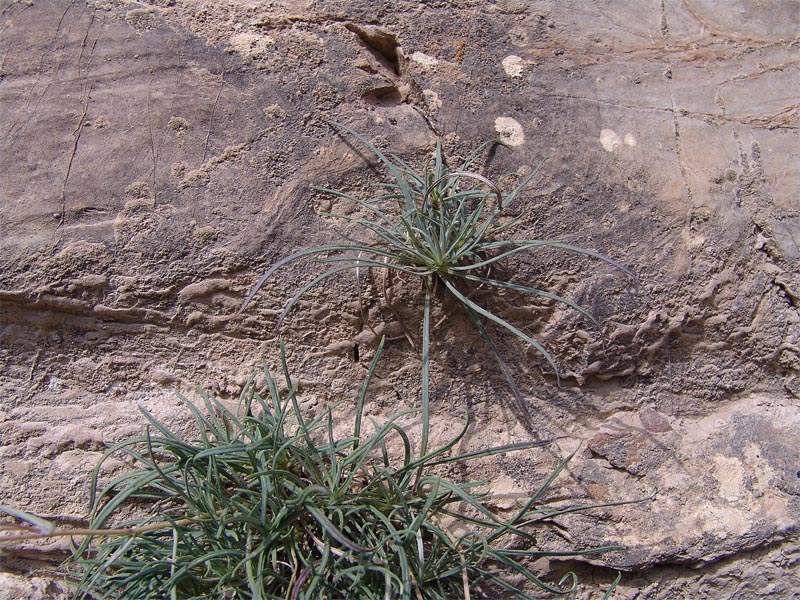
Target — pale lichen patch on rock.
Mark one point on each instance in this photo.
(729, 473)
(510, 131)
(432, 100)
(250, 45)
(425, 60)
(178, 169)
(178, 124)
(610, 140)
(205, 234)
(138, 189)
(513, 65)
(142, 19)
(275, 111)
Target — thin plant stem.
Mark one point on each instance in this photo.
(426, 368)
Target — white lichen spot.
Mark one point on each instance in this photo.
(54, 384)
(432, 99)
(513, 65)
(142, 19)
(275, 111)
(250, 44)
(510, 131)
(610, 140)
(427, 61)
(178, 124)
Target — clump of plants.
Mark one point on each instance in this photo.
(265, 503)
(447, 228)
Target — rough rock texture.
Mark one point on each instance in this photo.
(156, 157)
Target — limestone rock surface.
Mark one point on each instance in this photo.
(158, 156)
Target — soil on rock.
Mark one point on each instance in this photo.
(158, 156)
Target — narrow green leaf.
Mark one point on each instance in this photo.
(402, 183)
(505, 324)
(43, 526)
(426, 368)
(534, 291)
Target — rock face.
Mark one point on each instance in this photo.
(158, 156)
